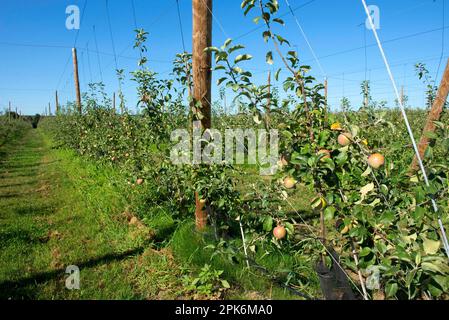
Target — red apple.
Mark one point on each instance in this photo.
(279, 232)
(344, 139)
(289, 182)
(376, 160)
(327, 154)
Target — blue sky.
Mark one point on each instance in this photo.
(35, 45)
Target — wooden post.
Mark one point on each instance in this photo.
(113, 101)
(202, 77)
(434, 115)
(325, 100)
(325, 91)
(49, 109)
(56, 102)
(201, 61)
(402, 96)
(77, 80)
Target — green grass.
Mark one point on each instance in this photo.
(58, 210)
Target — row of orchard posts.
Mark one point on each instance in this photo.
(10, 112)
(77, 84)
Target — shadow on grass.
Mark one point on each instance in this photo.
(25, 288)
(43, 210)
(19, 236)
(14, 195)
(16, 185)
(34, 165)
(17, 174)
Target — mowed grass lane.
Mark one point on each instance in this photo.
(57, 210)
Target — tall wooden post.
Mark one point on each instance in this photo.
(202, 61)
(434, 115)
(56, 102)
(77, 80)
(49, 109)
(202, 77)
(402, 95)
(325, 91)
(326, 106)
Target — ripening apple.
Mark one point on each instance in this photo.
(284, 160)
(139, 181)
(327, 154)
(376, 160)
(289, 182)
(279, 232)
(344, 139)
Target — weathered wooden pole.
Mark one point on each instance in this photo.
(326, 105)
(56, 101)
(434, 115)
(202, 78)
(325, 91)
(77, 80)
(402, 95)
(202, 61)
(49, 109)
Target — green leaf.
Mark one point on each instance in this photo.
(248, 8)
(268, 224)
(276, 75)
(431, 246)
(235, 48)
(237, 70)
(266, 35)
(431, 135)
(282, 40)
(269, 57)
(220, 81)
(433, 267)
(225, 284)
(329, 213)
(391, 289)
(227, 43)
(364, 252)
(366, 189)
(290, 228)
(280, 21)
(212, 49)
(242, 57)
